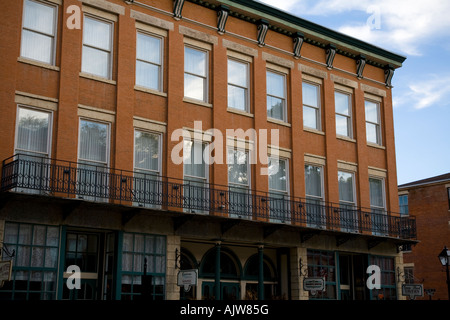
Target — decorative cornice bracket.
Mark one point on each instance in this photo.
(331, 53)
(263, 27)
(360, 64)
(177, 9)
(388, 74)
(298, 42)
(222, 16)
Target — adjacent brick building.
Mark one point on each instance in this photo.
(101, 97)
(429, 201)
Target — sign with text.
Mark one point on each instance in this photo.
(412, 290)
(187, 278)
(314, 285)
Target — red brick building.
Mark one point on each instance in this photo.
(97, 98)
(429, 201)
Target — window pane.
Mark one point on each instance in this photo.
(37, 46)
(95, 62)
(148, 48)
(275, 108)
(342, 103)
(33, 130)
(313, 180)
(194, 87)
(372, 111)
(372, 133)
(146, 151)
(195, 61)
(147, 75)
(275, 84)
(97, 33)
(237, 167)
(237, 98)
(277, 174)
(237, 73)
(39, 17)
(376, 192)
(345, 186)
(342, 125)
(310, 117)
(93, 141)
(310, 94)
(194, 164)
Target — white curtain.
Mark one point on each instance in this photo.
(345, 186)
(146, 151)
(93, 141)
(313, 181)
(376, 193)
(277, 175)
(194, 164)
(96, 47)
(33, 131)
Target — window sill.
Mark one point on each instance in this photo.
(152, 91)
(38, 64)
(314, 131)
(97, 78)
(345, 138)
(197, 102)
(280, 122)
(240, 112)
(373, 145)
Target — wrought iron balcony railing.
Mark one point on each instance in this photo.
(33, 174)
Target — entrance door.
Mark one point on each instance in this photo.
(93, 253)
(352, 269)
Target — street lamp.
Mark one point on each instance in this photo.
(444, 257)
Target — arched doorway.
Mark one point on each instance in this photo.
(251, 275)
(230, 274)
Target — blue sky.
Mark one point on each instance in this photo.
(419, 30)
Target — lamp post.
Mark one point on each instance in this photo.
(444, 257)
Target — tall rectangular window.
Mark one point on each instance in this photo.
(343, 106)
(315, 210)
(239, 182)
(149, 61)
(373, 122)
(311, 105)
(347, 202)
(377, 206)
(97, 47)
(93, 158)
(33, 141)
(147, 186)
(276, 95)
(238, 83)
(39, 31)
(195, 177)
(196, 73)
(403, 204)
(279, 189)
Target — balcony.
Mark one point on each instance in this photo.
(51, 177)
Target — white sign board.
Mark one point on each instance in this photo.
(187, 278)
(314, 285)
(412, 290)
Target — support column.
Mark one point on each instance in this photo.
(217, 277)
(261, 272)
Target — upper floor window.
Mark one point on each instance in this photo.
(343, 108)
(373, 122)
(39, 31)
(314, 191)
(149, 61)
(239, 182)
(403, 204)
(347, 201)
(278, 189)
(238, 83)
(276, 95)
(97, 47)
(311, 105)
(196, 73)
(195, 176)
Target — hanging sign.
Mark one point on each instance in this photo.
(314, 285)
(412, 290)
(187, 278)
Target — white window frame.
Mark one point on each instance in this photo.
(93, 162)
(161, 58)
(144, 171)
(111, 50)
(348, 117)
(285, 193)
(55, 30)
(383, 216)
(353, 228)
(246, 88)
(317, 109)
(282, 98)
(377, 125)
(322, 214)
(205, 78)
